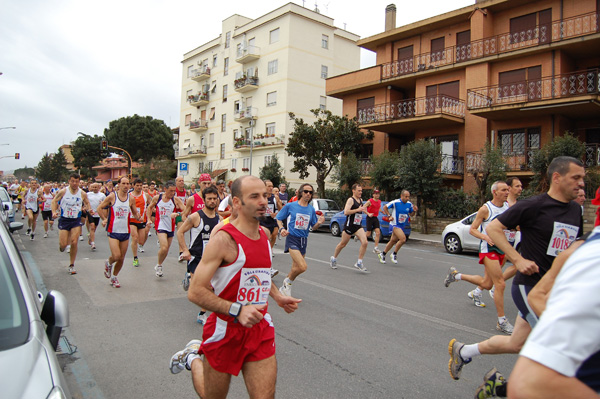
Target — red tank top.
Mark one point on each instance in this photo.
(198, 203)
(374, 207)
(182, 195)
(248, 278)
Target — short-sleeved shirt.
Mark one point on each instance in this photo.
(566, 338)
(299, 218)
(548, 226)
(401, 212)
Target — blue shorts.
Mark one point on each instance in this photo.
(168, 233)
(405, 229)
(118, 236)
(519, 294)
(68, 223)
(297, 243)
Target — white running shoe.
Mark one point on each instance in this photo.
(80, 238)
(360, 267)
(107, 269)
(158, 269)
(179, 360)
(150, 233)
(201, 318)
(381, 257)
(286, 288)
(68, 249)
(45, 235)
(394, 258)
(376, 250)
(476, 299)
(505, 327)
(181, 258)
(491, 292)
(274, 272)
(141, 248)
(333, 262)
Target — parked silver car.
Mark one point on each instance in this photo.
(456, 236)
(327, 207)
(29, 331)
(7, 204)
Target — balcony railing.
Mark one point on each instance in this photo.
(591, 157)
(192, 150)
(198, 125)
(411, 108)
(259, 142)
(200, 74)
(246, 114)
(515, 161)
(560, 86)
(452, 165)
(198, 99)
(247, 54)
(246, 83)
(563, 29)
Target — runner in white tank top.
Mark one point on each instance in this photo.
(32, 198)
(47, 198)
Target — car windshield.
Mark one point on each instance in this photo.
(4, 196)
(328, 205)
(14, 321)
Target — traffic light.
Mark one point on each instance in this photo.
(17, 155)
(104, 145)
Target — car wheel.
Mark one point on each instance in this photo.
(452, 244)
(335, 230)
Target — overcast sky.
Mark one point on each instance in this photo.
(75, 65)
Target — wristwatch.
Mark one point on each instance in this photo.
(235, 309)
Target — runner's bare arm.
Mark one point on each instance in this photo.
(179, 204)
(133, 208)
(86, 202)
(190, 222)
(189, 204)
(482, 214)
(55, 202)
(151, 205)
(102, 208)
(288, 303)
(496, 232)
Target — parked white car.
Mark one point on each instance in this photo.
(456, 237)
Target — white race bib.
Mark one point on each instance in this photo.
(510, 235)
(358, 218)
(302, 221)
(562, 236)
(402, 217)
(255, 285)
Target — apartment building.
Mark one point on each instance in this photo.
(515, 72)
(238, 89)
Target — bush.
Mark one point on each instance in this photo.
(456, 204)
(592, 182)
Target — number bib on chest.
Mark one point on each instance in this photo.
(402, 217)
(358, 218)
(302, 221)
(562, 236)
(510, 235)
(255, 285)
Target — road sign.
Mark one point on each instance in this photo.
(183, 169)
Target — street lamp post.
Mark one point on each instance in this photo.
(8, 127)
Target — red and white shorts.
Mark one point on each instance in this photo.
(493, 256)
(227, 346)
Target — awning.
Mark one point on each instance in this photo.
(217, 173)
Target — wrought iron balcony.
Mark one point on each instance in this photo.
(244, 115)
(566, 85)
(452, 165)
(199, 99)
(411, 108)
(518, 161)
(259, 142)
(245, 84)
(559, 30)
(198, 125)
(200, 74)
(591, 157)
(190, 151)
(247, 54)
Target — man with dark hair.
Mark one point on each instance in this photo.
(353, 226)
(401, 211)
(301, 217)
(239, 334)
(515, 189)
(273, 206)
(95, 197)
(549, 223)
(139, 233)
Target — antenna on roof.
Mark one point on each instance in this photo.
(316, 7)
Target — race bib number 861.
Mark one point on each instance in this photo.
(255, 285)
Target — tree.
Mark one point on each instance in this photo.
(58, 166)
(44, 169)
(348, 171)
(24, 173)
(159, 170)
(419, 173)
(487, 169)
(143, 137)
(320, 145)
(273, 171)
(383, 173)
(566, 145)
(87, 153)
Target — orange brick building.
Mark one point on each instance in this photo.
(515, 72)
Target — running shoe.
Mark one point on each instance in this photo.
(141, 248)
(22, 216)
(51, 227)
(107, 269)
(181, 257)
(150, 233)
(451, 277)
(201, 318)
(476, 299)
(80, 238)
(89, 239)
(491, 292)
(45, 235)
(394, 259)
(114, 282)
(136, 262)
(381, 257)
(491, 382)
(333, 262)
(376, 250)
(178, 361)
(68, 249)
(93, 246)
(456, 362)
(31, 236)
(355, 238)
(72, 269)
(286, 288)
(505, 327)
(158, 269)
(186, 281)
(274, 272)
(360, 267)
(28, 232)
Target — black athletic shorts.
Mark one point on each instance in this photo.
(46, 215)
(93, 219)
(138, 225)
(352, 229)
(373, 223)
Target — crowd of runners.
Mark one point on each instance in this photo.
(226, 235)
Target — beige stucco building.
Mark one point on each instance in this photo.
(238, 89)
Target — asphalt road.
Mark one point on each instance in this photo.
(383, 334)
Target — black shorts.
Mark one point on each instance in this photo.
(32, 211)
(269, 223)
(373, 223)
(46, 215)
(93, 219)
(138, 225)
(519, 294)
(193, 264)
(352, 229)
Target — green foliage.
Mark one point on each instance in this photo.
(273, 171)
(592, 182)
(348, 171)
(87, 153)
(456, 204)
(159, 170)
(24, 173)
(58, 167)
(143, 137)
(338, 195)
(320, 145)
(43, 171)
(491, 168)
(384, 173)
(566, 145)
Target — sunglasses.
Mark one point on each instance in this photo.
(307, 191)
